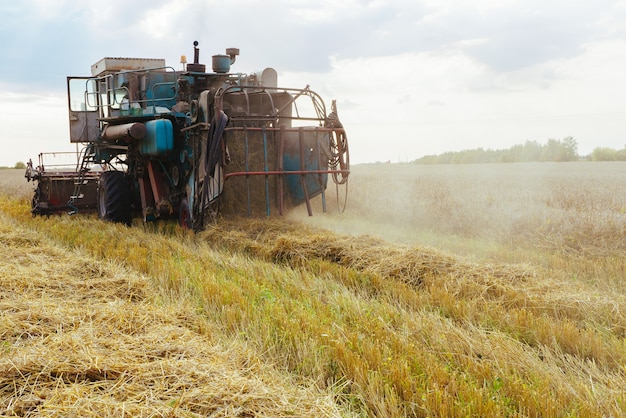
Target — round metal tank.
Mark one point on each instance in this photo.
(221, 63)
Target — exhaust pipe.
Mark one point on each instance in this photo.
(128, 131)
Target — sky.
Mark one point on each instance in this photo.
(411, 77)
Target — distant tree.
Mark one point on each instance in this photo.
(20, 165)
(570, 149)
(560, 151)
(603, 154)
(429, 159)
(554, 150)
(531, 151)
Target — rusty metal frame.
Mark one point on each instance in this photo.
(281, 172)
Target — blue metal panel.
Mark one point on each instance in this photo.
(305, 154)
(161, 89)
(159, 138)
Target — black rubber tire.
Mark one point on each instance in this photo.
(114, 197)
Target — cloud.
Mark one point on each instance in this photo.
(437, 101)
(295, 36)
(411, 77)
(509, 36)
(37, 123)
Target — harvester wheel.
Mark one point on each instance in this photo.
(114, 197)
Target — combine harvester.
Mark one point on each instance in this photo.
(160, 143)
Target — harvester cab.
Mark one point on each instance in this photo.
(155, 142)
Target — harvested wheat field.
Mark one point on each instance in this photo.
(84, 337)
(508, 300)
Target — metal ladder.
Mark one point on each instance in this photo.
(85, 161)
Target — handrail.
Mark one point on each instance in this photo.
(68, 165)
(316, 100)
(106, 94)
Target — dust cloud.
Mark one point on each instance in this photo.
(572, 206)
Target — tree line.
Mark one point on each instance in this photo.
(18, 164)
(554, 150)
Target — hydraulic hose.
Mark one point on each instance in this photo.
(213, 155)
